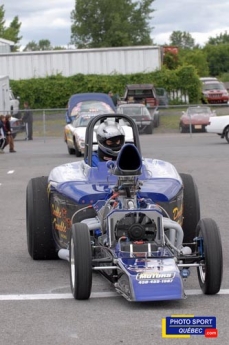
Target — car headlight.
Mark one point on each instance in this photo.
(225, 94)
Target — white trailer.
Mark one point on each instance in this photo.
(8, 103)
(121, 60)
(4, 94)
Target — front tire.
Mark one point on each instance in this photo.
(191, 208)
(227, 134)
(210, 274)
(181, 128)
(40, 242)
(70, 150)
(80, 261)
(77, 151)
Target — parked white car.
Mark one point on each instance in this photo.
(220, 126)
(74, 133)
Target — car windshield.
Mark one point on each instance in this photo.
(213, 86)
(136, 111)
(91, 107)
(193, 111)
(160, 91)
(82, 120)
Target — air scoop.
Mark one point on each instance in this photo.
(129, 161)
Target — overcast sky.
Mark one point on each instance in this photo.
(50, 19)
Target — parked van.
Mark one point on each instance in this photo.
(9, 104)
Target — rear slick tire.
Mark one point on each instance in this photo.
(40, 241)
(191, 208)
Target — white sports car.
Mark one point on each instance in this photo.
(75, 133)
(220, 126)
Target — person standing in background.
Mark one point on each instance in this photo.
(28, 120)
(115, 98)
(9, 135)
(2, 134)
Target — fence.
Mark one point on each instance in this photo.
(51, 122)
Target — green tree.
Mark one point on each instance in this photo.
(217, 58)
(109, 23)
(219, 39)
(11, 32)
(2, 21)
(196, 58)
(182, 39)
(31, 46)
(43, 44)
(171, 60)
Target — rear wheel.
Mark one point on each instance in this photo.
(80, 261)
(156, 120)
(191, 208)
(149, 129)
(211, 271)
(227, 134)
(40, 242)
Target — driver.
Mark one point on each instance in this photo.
(110, 138)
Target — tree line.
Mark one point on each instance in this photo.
(109, 23)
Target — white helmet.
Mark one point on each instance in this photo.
(111, 138)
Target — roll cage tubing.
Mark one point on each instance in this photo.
(101, 118)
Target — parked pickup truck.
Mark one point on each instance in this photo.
(143, 93)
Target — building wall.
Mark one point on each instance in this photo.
(123, 60)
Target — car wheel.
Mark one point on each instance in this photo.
(191, 208)
(227, 134)
(149, 129)
(156, 120)
(211, 271)
(40, 242)
(80, 261)
(181, 128)
(77, 151)
(71, 151)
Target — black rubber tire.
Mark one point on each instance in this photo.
(191, 208)
(210, 275)
(156, 121)
(40, 242)
(181, 128)
(226, 133)
(80, 258)
(149, 129)
(77, 152)
(70, 150)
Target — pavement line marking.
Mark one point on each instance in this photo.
(10, 172)
(93, 295)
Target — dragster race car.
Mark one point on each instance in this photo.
(136, 220)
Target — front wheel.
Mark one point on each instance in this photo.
(227, 134)
(181, 128)
(77, 151)
(210, 247)
(70, 150)
(80, 261)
